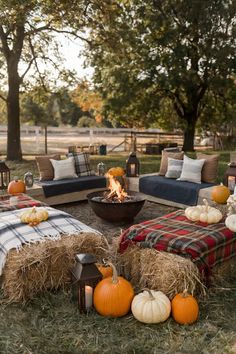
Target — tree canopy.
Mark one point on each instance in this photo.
(144, 51)
(27, 29)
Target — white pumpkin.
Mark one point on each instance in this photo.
(193, 213)
(230, 222)
(151, 306)
(210, 215)
(204, 213)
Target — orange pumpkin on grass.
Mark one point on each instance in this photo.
(16, 186)
(113, 295)
(185, 308)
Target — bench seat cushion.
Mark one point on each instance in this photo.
(171, 189)
(52, 188)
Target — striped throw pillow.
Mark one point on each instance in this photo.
(192, 169)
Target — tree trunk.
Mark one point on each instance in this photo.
(189, 132)
(14, 152)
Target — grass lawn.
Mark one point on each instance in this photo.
(51, 324)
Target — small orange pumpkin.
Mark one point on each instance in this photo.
(16, 186)
(105, 269)
(220, 194)
(116, 172)
(185, 308)
(113, 295)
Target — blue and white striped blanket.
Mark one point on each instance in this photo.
(14, 234)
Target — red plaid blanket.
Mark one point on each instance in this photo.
(206, 245)
(20, 201)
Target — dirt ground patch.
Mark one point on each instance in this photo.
(83, 212)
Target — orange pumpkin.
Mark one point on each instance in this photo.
(113, 295)
(105, 269)
(220, 194)
(185, 308)
(16, 186)
(116, 172)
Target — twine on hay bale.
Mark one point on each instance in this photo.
(47, 265)
(163, 271)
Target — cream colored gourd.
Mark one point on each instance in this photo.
(151, 306)
(203, 213)
(210, 215)
(193, 213)
(230, 222)
(34, 216)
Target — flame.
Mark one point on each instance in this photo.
(116, 190)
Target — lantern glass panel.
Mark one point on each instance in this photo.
(231, 182)
(132, 165)
(230, 176)
(4, 175)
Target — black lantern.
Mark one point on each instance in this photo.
(4, 175)
(85, 277)
(132, 165)
(230, 176)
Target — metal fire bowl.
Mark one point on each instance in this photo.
(115, 212)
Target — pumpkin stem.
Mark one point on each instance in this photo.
(206, 204)
(149, 293)
(114, 273)
(185, 293)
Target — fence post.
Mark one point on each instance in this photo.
(46, 139)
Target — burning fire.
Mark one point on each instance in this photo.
(116, 191)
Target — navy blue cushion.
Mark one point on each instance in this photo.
(171, 189)
(63, 186)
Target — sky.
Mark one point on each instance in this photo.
(73, 60)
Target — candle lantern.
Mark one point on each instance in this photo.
(4, 175)
(132, 165)
(101, 169)
(230, 176)
(85, 277)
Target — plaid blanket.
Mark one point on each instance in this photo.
(20, 201)
(15, 234)
(206, 245)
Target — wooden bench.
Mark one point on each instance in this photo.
(133, 185)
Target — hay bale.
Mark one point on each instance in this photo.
(163, 271)
(47, 265)
(223, 272)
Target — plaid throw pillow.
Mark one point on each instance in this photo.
(82, 164)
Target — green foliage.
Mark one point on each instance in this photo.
(86, 121)
(176, 50)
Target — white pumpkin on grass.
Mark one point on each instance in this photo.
(230, 222)
(203, 213)
(151, 306)
(34, 216)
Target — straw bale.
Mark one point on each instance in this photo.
(223, 272)
(47, 265)
(167, 272)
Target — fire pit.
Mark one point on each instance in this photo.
(116, 204)
(116, 211)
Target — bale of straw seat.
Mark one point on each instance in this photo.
(167, 272)
(46, 265)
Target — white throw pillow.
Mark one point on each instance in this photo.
(174, 168)
(64, 168)
(192, 169)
